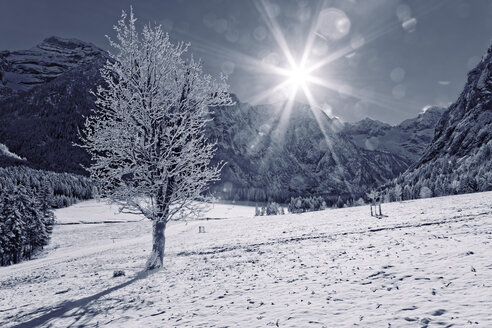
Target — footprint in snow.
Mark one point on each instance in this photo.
(438, 312)
(411, 308)
(425, 321)
(410, 319)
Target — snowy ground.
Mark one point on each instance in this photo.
(428, 264)
(94, 211)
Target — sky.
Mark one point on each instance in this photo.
(383, 59)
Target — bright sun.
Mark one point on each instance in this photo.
(300, 71)
(298, 76)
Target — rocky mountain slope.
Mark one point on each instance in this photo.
(22, 70)
(7, 158)
(41, 116)
(46, 96)
(266, 159)
(408, 139)
(467, 124)
(459, 158)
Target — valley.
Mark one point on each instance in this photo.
(427, 263)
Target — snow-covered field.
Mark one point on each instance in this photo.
(428, 264)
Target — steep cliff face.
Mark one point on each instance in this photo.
(458, 160)
(25, 69)
(467, 124)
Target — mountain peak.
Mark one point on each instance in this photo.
(432, 109)
(24, 69)
(367, 125)
(425, 120)
(66, 43)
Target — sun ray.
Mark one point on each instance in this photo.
(379, 99)
(284, 118)
(312, 34)
(350, 48)
(240, 59)
(267, 93)
(279, 132)
(299, 75)
(275, 30)
(315, 108)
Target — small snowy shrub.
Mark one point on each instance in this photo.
(425, 192)
(273, 209)
(300, 204)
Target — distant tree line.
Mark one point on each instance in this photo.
(448, 175)
(271, 208)
(26, 199)
(64, 188)
(227, 191)
(306, 204)
(254, 194)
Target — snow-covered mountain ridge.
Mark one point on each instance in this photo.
(267, 158)
(409, 139)
(271, 157)
(25, 69)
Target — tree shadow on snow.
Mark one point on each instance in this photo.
(82, 305)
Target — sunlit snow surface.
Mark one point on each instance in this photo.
(428, 264)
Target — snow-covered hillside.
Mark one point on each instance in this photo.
(427, 264)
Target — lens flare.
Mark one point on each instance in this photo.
(329, 27)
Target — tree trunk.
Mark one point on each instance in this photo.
(156, 258)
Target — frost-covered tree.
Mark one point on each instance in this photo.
(407, 193)
(359, 202)
(398, 192)
(23, 225)
(12, 226)
(146, 141)
(425, 192)
(372, 196)
(339, 202)
(388, 196)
